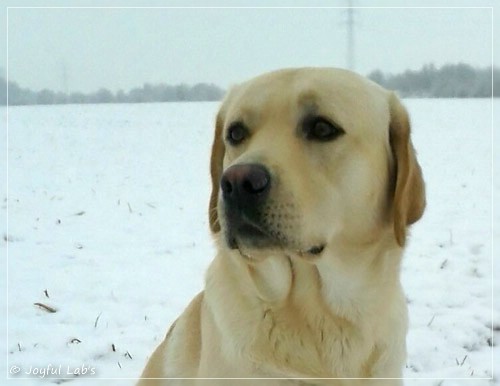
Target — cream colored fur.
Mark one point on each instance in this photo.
(284, 313)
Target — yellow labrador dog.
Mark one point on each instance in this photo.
(315, 182)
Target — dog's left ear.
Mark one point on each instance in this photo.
(216, 160)
(408, 184)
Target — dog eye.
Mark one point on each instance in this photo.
(320, 129)
(236, 133)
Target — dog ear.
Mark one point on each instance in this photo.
(216, 159)
(408, 185)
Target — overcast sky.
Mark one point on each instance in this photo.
(85, 49)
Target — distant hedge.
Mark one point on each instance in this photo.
(144, 94)
(449, 81)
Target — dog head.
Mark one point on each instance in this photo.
(304, 158)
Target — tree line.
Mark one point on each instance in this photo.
(449, 81)
(147, 93)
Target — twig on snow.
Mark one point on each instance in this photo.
(463, 361)
(46, 307)
(97, 320)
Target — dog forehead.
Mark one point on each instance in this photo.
(340, 94)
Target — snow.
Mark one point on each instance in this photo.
(107, 223)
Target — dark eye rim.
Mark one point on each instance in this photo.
(309, 124)
(236, 126)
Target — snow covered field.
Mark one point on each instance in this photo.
(107, 225)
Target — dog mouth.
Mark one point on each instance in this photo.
(257, 233)
(252, 240)
(307, 254)
(315, 250)
(250, 235)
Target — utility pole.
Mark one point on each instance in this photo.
(350, 36)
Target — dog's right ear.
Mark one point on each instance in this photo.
(216, 164)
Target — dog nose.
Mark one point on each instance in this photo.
(245, 183)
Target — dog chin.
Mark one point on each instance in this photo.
(255, 250)
(256, 243)
(254, 254)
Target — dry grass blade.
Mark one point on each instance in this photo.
(97, 320)
(46, 307)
